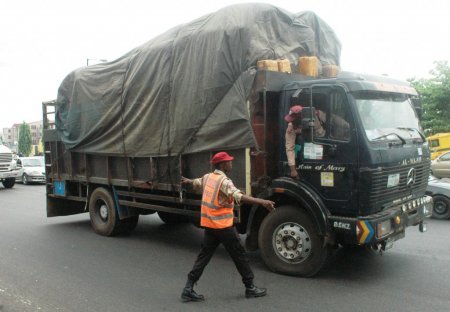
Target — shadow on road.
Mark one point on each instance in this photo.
(344, 263)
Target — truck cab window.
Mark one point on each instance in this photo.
(332, 116)
(339, 123)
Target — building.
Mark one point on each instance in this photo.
(11, 135)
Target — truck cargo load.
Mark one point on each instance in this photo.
(185, 90)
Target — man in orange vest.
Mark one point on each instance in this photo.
(219, 195)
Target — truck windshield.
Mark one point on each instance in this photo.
(387, 116)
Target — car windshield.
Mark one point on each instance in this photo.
(32, 162)
(387, 116)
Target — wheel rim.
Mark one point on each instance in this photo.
(24, 179)
(103, 211)
(440, 208)
(291, 242)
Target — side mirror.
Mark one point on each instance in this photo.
(19, 163)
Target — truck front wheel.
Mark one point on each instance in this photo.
(290, 243)
(103, 212)
(9, 182)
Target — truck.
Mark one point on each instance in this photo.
(8, 167)
(120, 153)
(439, 143)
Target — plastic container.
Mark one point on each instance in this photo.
(330, 71)
(271, 65)
(308, 66)
(284, 66)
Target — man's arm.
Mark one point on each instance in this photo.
(230, 190)
(290, 149)
(268, 204)
(195, 183)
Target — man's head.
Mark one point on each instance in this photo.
(222, 161)
(295, 113)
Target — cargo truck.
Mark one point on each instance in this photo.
(118, 139)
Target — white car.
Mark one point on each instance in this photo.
(440, 167)
(439, 189)
(32, 171)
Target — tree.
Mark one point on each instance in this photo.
(435, 98)
(25, 139)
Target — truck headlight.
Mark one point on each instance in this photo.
(384, 228)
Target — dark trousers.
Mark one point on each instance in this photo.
(232, 243)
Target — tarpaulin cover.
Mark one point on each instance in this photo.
(186, 90)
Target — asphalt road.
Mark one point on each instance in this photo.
(60, 264)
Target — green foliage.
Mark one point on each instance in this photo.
(25, 139)
(435, 97)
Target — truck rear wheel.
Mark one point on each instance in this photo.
(290, 243)
(441, 207)
(103, 212)
(9, 182)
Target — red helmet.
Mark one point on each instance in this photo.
(221, 157)
(294, 112)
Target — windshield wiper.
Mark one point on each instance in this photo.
(389, 134)
(413, 129)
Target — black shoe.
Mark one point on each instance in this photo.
(189, 294)
(254, 292)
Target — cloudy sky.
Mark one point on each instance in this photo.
(42, 41)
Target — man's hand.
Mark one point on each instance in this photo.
(268, 204)
(186, 180)
(294, 173)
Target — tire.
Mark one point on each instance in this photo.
(290, 243)
(25, 179)
(441, 207)
(103, 213)
(171, 218)
(9, 182)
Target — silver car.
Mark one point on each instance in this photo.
(440, 166)
(33, 170)
(439, 189)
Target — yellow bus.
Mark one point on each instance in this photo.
(439, 143)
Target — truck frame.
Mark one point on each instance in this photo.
(363, 187)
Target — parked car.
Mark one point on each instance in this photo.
(32, 171)
(440, 167)
(439, 189)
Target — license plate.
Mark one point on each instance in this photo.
(59, 188)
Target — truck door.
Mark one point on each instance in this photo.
(329, 161)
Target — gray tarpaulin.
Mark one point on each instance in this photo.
(185, 91)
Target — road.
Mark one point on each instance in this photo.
(59, 264)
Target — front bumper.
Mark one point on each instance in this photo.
(36, 179)
(388, 225)
(9, 174)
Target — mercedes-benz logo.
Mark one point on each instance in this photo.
(411, 177)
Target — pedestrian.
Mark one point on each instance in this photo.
(219, 196)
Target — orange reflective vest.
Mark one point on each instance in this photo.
(213, 214)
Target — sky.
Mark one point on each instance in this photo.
(43, 41)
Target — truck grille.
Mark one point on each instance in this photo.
(5, 161)
(375, 193)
